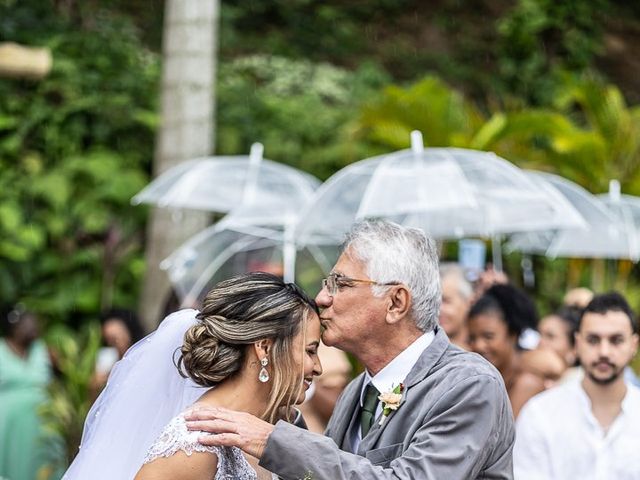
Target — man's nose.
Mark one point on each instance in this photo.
(323, 299)
(605, 348)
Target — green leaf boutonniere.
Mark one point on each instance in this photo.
(391, 401)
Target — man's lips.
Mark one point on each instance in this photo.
(603, 365)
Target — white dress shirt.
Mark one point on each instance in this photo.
(393, 374)
(558, 438)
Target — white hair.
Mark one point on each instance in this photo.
(393, 253)
(455, 271)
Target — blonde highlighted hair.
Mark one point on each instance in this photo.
(239, 312)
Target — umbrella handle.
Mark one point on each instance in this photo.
(496, 252)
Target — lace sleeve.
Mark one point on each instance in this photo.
(175, 437)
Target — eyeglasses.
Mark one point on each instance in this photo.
(334, 281)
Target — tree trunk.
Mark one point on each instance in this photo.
(186, 132)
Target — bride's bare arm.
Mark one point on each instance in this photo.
(180, 466)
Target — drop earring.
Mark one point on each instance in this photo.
(263, 376)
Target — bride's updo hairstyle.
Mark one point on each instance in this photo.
(239, 312)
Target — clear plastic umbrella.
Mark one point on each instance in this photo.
(448, 192)
(257, 188)
(231, 247)
(609, 231)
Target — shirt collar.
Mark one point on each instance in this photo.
(396, 371)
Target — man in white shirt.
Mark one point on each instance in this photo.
(587, 429)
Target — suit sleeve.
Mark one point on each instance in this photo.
(469, 423)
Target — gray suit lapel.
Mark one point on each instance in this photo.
(419, 372)
(347, 415)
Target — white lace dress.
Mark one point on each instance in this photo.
(232, 465)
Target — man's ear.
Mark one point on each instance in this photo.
(262, 348)
(399, 304)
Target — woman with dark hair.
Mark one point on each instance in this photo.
(120, 329)
(496, 321)
(557, 333)
(252, 347)
(25, 371)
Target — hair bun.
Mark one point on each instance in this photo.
(205, 358)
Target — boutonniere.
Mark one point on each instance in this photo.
(391, 401)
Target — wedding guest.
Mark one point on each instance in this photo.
(457, 294)
(423, 408)
(25, 371)
(496, 322)
(557, 332)
(587, 429)
(120, 329)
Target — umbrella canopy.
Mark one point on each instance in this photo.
(609, 231)
(448, 192)
(257, 188)
(229, 248)
(626, 208)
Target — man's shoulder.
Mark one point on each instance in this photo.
(557, 402)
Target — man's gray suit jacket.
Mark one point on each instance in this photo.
(454, 423)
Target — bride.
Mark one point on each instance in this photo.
(252, 348)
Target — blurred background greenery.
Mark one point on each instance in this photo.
(549, 85)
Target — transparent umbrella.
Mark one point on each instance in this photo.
(231, 247)
(257, 188)
(609, 231)
(448, 192)
(626, 208)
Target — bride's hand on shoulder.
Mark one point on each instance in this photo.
(229, 428)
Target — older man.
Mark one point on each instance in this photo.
(457, 293)
(449, 417)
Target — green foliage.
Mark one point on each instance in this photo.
(443, 116)
(297, 109)
(538, 38)
(304, 28)
(74, 148)
(589, 135)
(70, 396)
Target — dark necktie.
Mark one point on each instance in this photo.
(368, 412)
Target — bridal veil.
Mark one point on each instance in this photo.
(144, 392)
